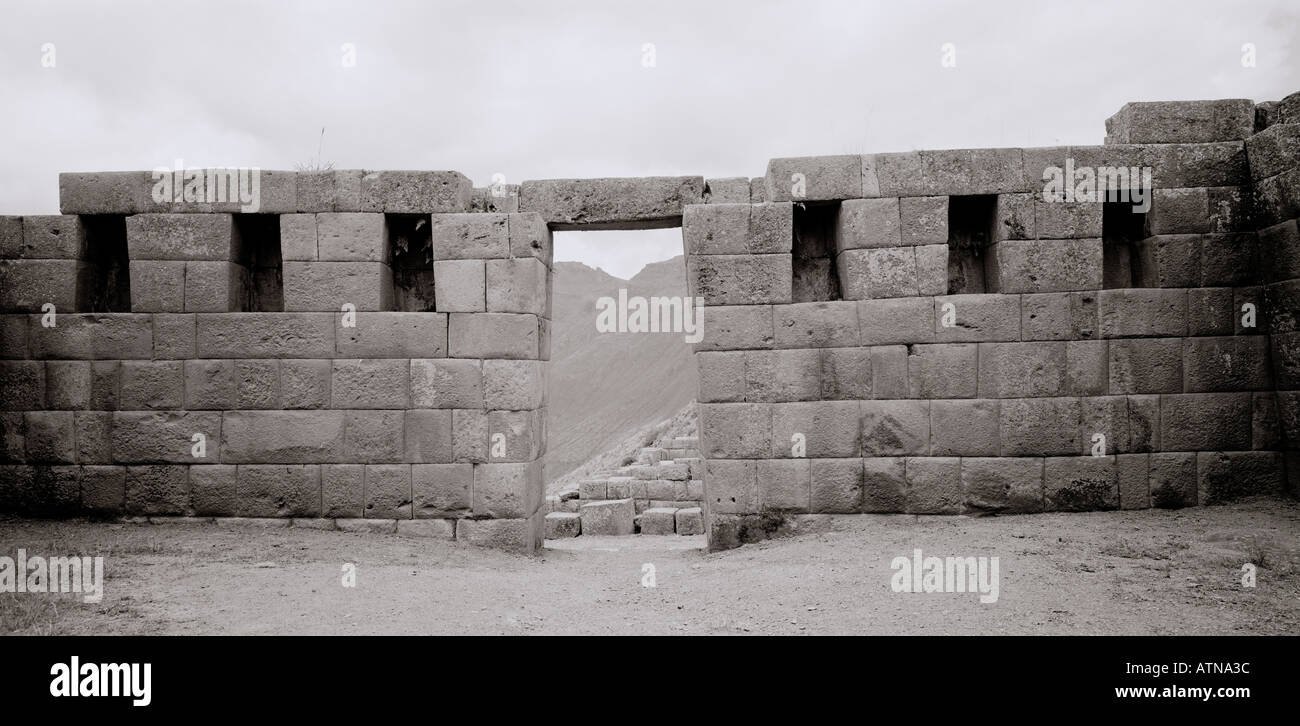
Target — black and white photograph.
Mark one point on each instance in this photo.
(656, 318)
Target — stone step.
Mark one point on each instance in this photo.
(643, 504)
(684, 453)
(658, 520)
(686, 442)
(563, 524)
(608, 517)
(649, 455)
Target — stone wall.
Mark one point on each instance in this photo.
(924, 332)
(919, 332)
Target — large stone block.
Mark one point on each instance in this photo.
(1146, 365)
(845, 374)
(67, 384)
(518, 286)
(214, 287)
(1205, 422)
(816, 325)
(1234, 363)
(1133, 313)
(1080, 483)
(964, 428)
(513, 385)
(287, 437)
(109, 192)
(460, 286)
(819, 429)
(944, 370)
(1002, 484)
(50, 436)
(815, 178)
(1225, 476)
(504, 491)
(151, 385)
(182, 237)
(1274, 150)
(327, 286)
(884, 272)
(740, 279)
(1040, 426)
(735, 430)
(112, 336)
(415, 192)
(923, 220)
(1170, 260)
(611, 517)
(148, 436)
(976, 318)
(870, 224)
(442, 490)
(530, 237)
(1172, 480)
(28, 285)
(428, 437)
(370, 383)
(335, 190)
(784, 485)
(1048, 265)
(721, 376)
(893, 428)
(47, 237)
(392, 335)
(884, 484)
(783, 375)
(493, 335)
(388, 493)
(373, 437)
(1008, 370)
(836, 486)
(934, 485)
(737, 327)
(1061, 220)
(732, 486)
(1280, 243)
(1164, 122)
(278, 490)
(1213, 164)
(352, 237)
(157, 490)
(265, 335)
(612, 203)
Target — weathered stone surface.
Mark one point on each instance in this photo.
(1163, 122)
(1143, 313)
(1040, 426)
(493, 335)
(1205, 422)
(1235, 363)
(1225, 476)
(415, 192)
(892, 428)
(976, 318)
(1008, 370)
(612, 203)
(1002, 484)
(561, 525)
(182, 237)
(610, 517)
(964, 428)
(735, 327)
(265, 335)
(934, 485)
(1080, 483)
(392, 335)
(275, 436)
(740, 279)
(944, 370)
(1048, 265)
(814, 178)
(327, 286)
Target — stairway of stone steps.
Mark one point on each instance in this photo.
(661, 493)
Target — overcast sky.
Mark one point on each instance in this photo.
(542, 89)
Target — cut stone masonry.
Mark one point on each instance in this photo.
(925, 332)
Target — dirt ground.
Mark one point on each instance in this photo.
(1147, 572)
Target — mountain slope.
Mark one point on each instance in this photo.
(605, 387)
